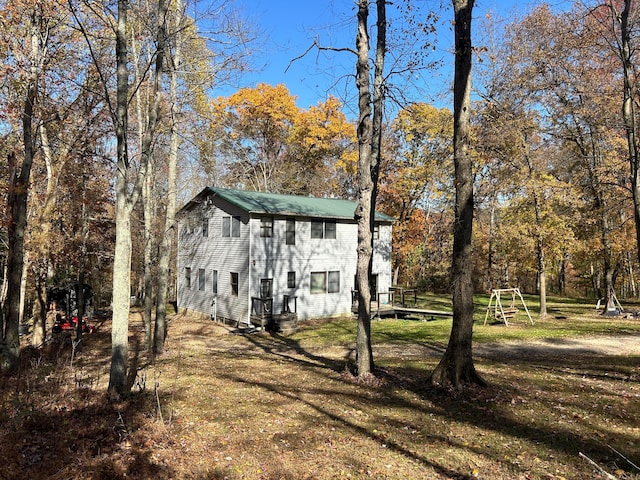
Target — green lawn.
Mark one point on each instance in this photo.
(566, 318)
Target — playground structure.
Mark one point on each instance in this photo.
(500, 313)
(612, 307)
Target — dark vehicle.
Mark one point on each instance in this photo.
(63, 301)
(62, 325)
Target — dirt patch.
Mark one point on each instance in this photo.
(607, 345)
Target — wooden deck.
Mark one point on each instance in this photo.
(385, 310)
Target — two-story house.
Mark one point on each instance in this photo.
(241, 254)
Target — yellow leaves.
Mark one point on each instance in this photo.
(322, 130)
(264, 103)
(263, 127)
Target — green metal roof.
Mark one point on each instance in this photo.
(278, 204)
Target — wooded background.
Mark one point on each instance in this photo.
(553, 141)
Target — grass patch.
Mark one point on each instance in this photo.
(286, 407)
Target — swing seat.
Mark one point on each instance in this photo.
(508, 313)
(503, 314)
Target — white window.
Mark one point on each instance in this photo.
(266, 227)
(266, 288)
(234, 284)
(202, 279)
(333, 283)
(323, 229)
(317, 229)
(187, 277)
(214, 282)
(318, 282)
(330, 230)
(325, 282)
(291, 232)
(231, 227)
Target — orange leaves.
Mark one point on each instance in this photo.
(273, 145)
(265, 109)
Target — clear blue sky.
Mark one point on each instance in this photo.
(287, 28)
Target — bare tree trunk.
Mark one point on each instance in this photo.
(166, 241)
(142, 115)
(125, 201)
(364, 353)
(81, 294)
(492, 249)
(562, 273)
(456, 367)
(148, 258)
(118, 388)
(80, 300)
(625, 51)
(39, 332)
(540, 253)
(18, 193)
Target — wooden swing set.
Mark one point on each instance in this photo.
(500, 313)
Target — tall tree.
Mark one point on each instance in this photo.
(160, 327)
(148, 122)
(37, 20)
(414, 187)
(623, 23)
(69, 136)
(126, 198)
(456, 367)
(369, 134)
(557, 100)
(118, 387)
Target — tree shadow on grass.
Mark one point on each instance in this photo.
(294, 394)
(290, 349)
(569, 432)
(489, 409)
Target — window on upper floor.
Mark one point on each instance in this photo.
(291, 232)
(214, 282)
(330, 229)
(266, 227)
(291, 279)
(191, 225)
(231, 227)
(205, 227)
(317, 229)
(323, 229)
(376, 232)
(187, 277)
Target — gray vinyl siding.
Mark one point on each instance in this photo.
(214, 252)
(255, 258)
(273, 258)
(381, 262)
